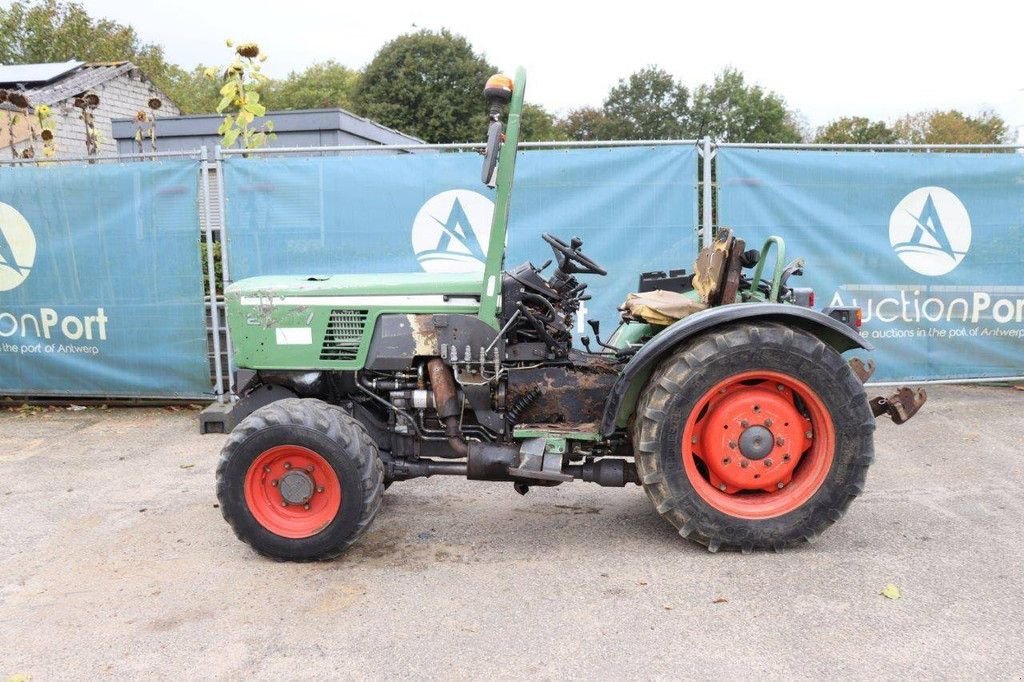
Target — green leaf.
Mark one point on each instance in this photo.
(253, 97)
(257, 140)
(269, 126)
(229, 89)
(231, 136)
(890, 591)
(226, 124)
(255, 109)
(246, 116)
(224, 104)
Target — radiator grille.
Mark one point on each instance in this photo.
(344, 334)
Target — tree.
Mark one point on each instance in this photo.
(538, 125)
(192, 91)
(585, 123)
(855, 130)
(952, 127)
(648, 105)
(56, 31)
(322, 85)
(427, 84)
(729, 110)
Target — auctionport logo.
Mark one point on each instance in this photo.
(17, 248)
(451, 231)
(930, 231)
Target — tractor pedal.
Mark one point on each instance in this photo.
(901, 405)
(535, 463)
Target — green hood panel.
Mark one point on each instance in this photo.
(298, 322)
(465, 284)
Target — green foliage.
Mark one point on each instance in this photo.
(320, 86)
(952, 127)
(427, 84)
(586, 123)
(240, 98)
(651, 104)
(193, 91)
(648, 105)
(730, 110)
(538, 125)
(855, 130)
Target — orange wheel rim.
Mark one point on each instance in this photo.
(758, 445)
(292, 491)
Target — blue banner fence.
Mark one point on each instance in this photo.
(882, 230)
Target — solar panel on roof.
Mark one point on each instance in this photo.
(13, 74)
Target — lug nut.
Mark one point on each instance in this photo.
(780, 387)
(732, 444)
(808, 434)
(781, 485)
(744, 463)
(768, 462)
(266, 469)
(284, 503)
(767, 422)
(744, 423)
(319, 488)
(306, 507)
(693, 440)
(287, 465)
(780, 441)
(274, 483)
(309, 468)
(721, 486)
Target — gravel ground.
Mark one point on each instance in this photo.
(115, 563)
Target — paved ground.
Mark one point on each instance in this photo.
(115, 563)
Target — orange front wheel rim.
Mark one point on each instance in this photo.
(758, 445)
(292, 491)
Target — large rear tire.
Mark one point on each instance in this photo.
(299, 480)
(756, 436)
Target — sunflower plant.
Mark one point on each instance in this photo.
(240, 99)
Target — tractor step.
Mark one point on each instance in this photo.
(541, 459)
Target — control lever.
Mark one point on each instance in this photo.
(596, 326)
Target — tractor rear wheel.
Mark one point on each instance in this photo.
(299, 480)
(757, 436)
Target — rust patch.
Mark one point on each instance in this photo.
(424, 335)
(709, 268)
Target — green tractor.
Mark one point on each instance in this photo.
(721, 392)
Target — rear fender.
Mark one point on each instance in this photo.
(622, 399)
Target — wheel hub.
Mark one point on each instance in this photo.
(292, 491)
(751, 438)
(756, 442)
(297, 487)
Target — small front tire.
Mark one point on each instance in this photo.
(299, 480)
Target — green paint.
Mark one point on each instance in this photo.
(553, 433)
(780, 264)
(491, 285)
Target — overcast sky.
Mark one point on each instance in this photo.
(828, 59)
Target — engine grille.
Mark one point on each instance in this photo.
(344, 334)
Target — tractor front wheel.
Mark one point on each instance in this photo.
(299, 480)
(757, 436)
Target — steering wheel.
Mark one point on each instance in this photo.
(570, 259)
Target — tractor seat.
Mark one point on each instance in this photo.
(660, 307)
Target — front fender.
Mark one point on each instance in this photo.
(622, 399)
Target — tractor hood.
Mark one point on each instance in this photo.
(325, 322)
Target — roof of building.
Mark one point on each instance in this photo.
(287, 124)
(52, 83)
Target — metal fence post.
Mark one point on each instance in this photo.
(706, 227)
(225, 271)
(211, 272)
